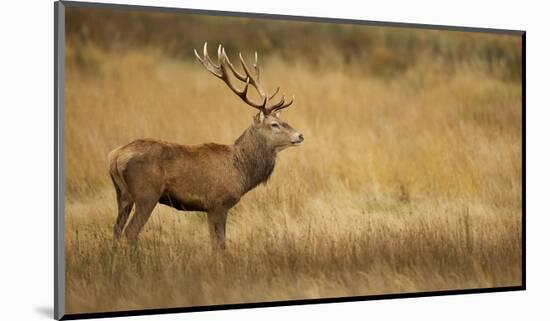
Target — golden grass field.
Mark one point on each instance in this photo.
(406, 184)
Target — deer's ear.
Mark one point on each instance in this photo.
(278, 114)
(261, 116)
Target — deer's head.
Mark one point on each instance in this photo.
(267, 122)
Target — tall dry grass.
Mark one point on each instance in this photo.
(402, 185)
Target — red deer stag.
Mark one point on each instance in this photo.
(209, 178)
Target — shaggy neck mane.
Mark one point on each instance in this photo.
(254, 158)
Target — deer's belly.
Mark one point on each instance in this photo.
(182, 205)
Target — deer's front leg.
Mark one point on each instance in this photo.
(216, 226)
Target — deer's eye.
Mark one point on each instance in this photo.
(275, 125)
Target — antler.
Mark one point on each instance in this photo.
(220, 71)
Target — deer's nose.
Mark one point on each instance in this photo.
(301, 137)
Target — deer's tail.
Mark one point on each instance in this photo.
(116, 173)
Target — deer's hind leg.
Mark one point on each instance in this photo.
(145, 202)
(125, 204)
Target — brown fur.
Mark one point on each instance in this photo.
(209, 177)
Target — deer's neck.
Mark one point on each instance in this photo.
(254, 158)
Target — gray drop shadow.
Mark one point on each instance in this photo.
(45, 311)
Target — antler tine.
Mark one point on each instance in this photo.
(206, 57)
(248, 78)
(281, 104)
(197, 55)
(248, 75)
(253, 80)
(287, 104)
(278, 104)
(275, 93)
(237, 74)
(220, 56)
(207, 63)
(241, 93)
(256, 67)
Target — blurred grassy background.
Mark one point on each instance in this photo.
(409, 178)
(369, 50)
